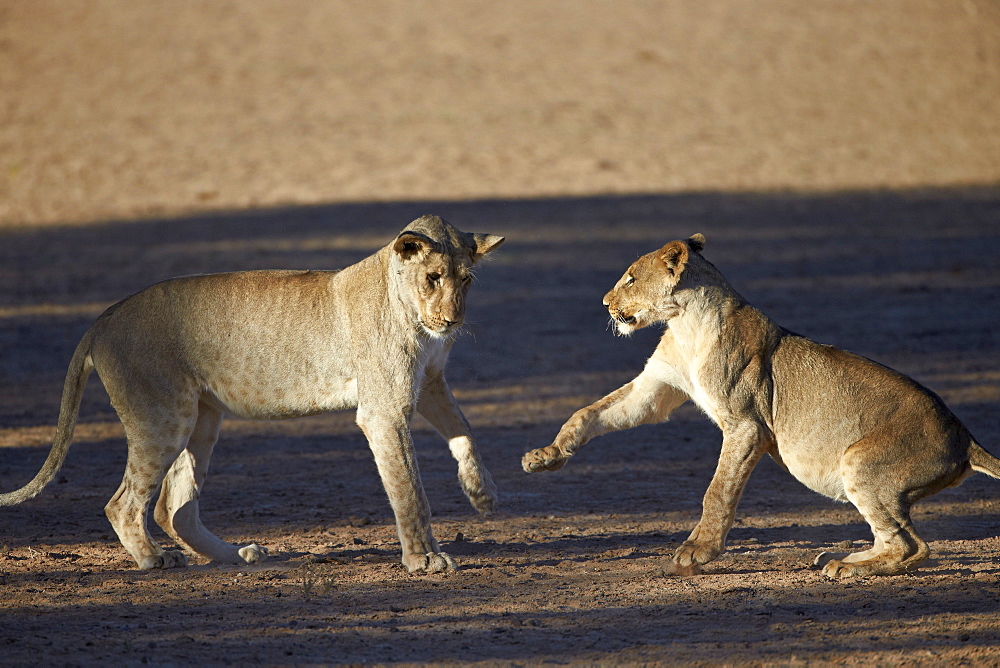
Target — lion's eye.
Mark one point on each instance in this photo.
(433, 277)
(630, 280)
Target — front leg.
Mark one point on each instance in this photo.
(649, 398)
(438, 406)
(388, 435)
(742, 447)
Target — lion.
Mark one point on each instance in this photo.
(843, 425)
(179, 355)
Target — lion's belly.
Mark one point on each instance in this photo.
(276, 401)
(818, 468)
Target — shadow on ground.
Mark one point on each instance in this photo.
(908, 278)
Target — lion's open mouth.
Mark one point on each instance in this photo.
(624, 327)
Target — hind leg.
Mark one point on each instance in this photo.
(884, 501)
(177, 510)
(898, 549)
(884, 475)
(153, 445)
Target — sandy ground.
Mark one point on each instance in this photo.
(568, 570)
(842, 160)
(121, 109)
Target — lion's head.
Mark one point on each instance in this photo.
(645, 294)
(432, 263)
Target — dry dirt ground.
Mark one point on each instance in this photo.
(843, 160)
(568, 569)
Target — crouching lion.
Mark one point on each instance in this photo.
(841, 424)
(179, 355)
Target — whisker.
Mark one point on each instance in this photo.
(467, 329)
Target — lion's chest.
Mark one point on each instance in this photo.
(704, 400)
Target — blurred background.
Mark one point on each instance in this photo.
(121, 109)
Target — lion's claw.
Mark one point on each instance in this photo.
(543, 459)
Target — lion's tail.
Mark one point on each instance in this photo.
(982, 461)
(76, 378)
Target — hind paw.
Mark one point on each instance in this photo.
(822, 559)
(253, 553)
(837, 569)
(165, 559)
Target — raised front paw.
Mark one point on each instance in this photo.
(544, 459)
(484, 501)
(432, 562)
(481, 492)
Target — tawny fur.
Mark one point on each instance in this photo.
(843, 425)
(178, 356)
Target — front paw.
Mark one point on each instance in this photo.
(432, 562)
(673, 568)
(484, 502)
(692, 555)
(481, 492)
(544, 459)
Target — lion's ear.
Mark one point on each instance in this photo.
(410, 244)
(674, 256)
(696, 242)
(485, 243)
